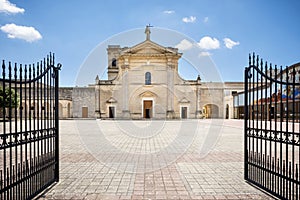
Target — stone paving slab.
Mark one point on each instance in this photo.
(152, 160)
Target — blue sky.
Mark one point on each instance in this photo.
(72, 29)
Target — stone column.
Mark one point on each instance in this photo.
(198, 99)
(97, 102)
(97, 98)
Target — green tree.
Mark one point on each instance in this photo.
(8, 97)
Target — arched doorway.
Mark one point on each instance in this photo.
(211, 111)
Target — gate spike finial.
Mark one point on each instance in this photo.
(287, 73)
(25, 69)
(21, 71)
(253, 59)
(42, 64)
(15, 70)
(249, 59)
(50, 61)
(37, 69)
(276, 78)
(3, 69)
(9, 70)
(33, 70)
(29, 71)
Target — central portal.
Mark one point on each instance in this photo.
(147, 109)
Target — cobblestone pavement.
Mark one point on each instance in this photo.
(152, 160)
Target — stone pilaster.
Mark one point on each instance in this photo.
(97, 101)
(170, 91)
(125, 109)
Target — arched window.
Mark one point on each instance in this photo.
(114, 62)
(148, 78)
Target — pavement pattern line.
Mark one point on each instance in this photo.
(218, 175)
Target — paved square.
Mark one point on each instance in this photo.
(192, 159)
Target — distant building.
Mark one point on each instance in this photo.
(143, 82)
(270, 99)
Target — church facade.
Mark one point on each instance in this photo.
(144, 83)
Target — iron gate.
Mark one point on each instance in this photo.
(272, 119)
(28, 128)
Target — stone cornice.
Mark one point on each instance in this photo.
(150, 55)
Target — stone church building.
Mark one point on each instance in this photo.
(144, 83)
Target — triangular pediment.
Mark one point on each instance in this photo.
(148, 94)
(111, 100)
(184, 100)
(149, 47)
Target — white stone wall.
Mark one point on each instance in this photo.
(83, 97)
(126, 90)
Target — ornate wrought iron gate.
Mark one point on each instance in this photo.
(272, 127)
(29, 128)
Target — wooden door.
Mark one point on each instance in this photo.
(148, 109)
(85, 112)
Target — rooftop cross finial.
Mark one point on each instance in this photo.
(147, 31)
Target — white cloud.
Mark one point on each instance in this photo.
(205, 20)
(205, 53)
(169, 11)
(9, 8)
(209, 43)
(26, 33)
(190, 19)
(184, 45)
(229, 43)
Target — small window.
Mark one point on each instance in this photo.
(148, 78)
(114, 62)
